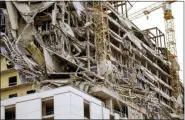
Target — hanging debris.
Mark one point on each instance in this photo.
(91, 46)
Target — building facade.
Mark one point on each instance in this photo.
(90, 46)
(11, 84)
(61, 103)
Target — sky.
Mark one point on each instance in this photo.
(156, 20)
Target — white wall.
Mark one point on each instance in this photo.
(95, 111)
(106, 113)
(29, 109)
(61, 104)
(77, 105)
(2, 112)
(50, 93)
(116, 116)
(68, 106)
(68, 116)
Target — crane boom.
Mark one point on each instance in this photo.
(146, 10)
(169, 23)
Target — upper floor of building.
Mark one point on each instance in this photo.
(11, 83)
(62, 103)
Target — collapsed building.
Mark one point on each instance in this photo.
(93, 47)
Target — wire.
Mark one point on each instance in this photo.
(132, 5)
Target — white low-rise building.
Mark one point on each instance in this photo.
(60, 103)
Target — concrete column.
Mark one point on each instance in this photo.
(130, 116)
(110, 104)
(157, 73)
(2, 112)
(167, 81)
(146, 65)
(106, 113)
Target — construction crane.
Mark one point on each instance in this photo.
(101, 39)
(170, 37)
(101, 30)
(169, 24)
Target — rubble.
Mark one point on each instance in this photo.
(55, 44)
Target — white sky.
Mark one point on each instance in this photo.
(156, 20)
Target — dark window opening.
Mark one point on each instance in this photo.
(170, 93)
(157, 95)
(47, 107)
(111, 117)
(145, 117)
(10, 113)
(86, 110)
(13, 81)
(155, 83)
(2, 19)
(13, 95)
(37, 45)
(49, 118)
(30, 91)
(150, 88)
(141, 84)
(2, 22)
(49, 110)
(172, 104)
(9, 64)
(122, 112)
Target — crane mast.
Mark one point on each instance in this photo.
(101, 36)
(172, 51)
(101, 30)
(170, 31)
(169, 23)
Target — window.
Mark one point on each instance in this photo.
(13, 81)
(145, 117)
(170, 93)
(111, 117)
(155, 83)
(9, 64)
(86, 110)
(141, 84)
(157, 95)
(30, 91)
(125, 111)
(10, 113)
(2, 19)
(47, 107)
(13, 95)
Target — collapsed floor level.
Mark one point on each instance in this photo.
(91, 46)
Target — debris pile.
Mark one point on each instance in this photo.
(86, 45)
